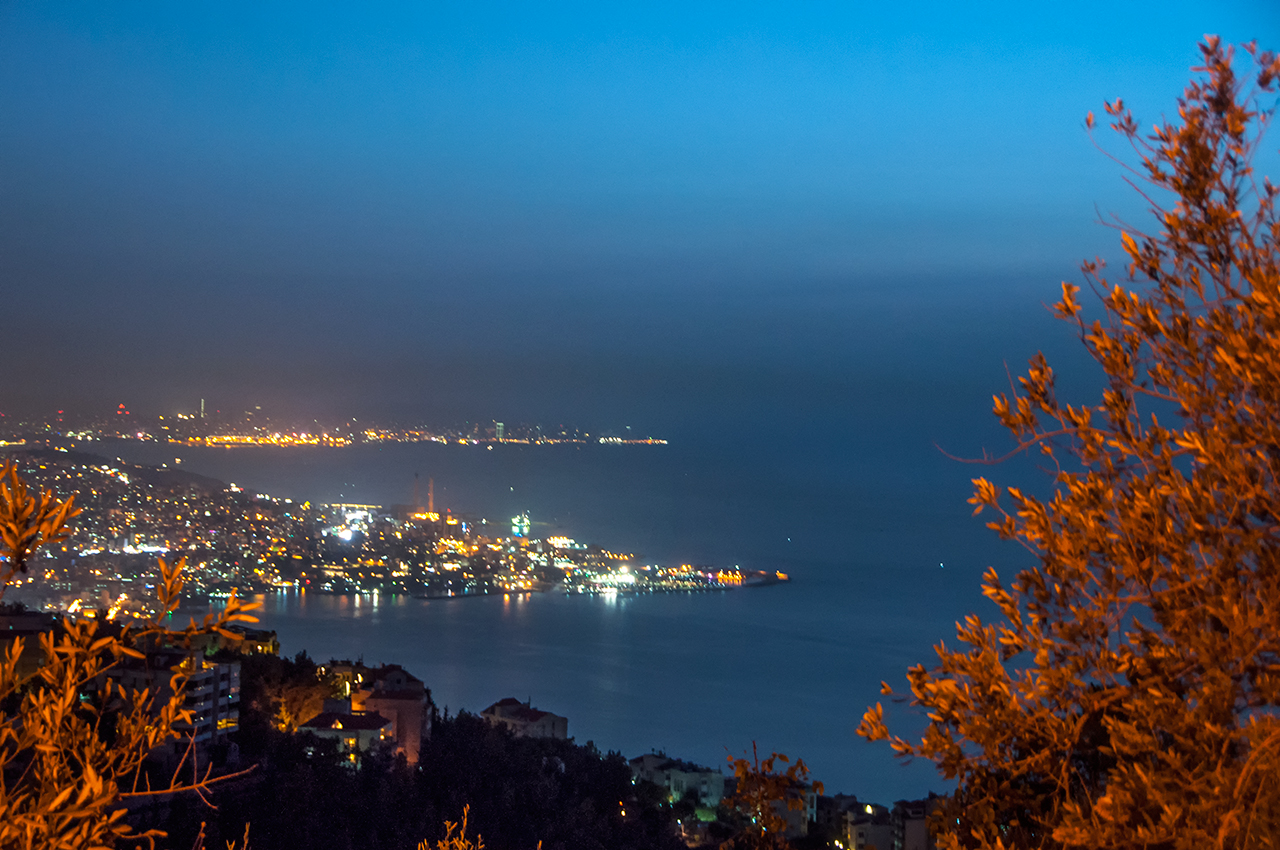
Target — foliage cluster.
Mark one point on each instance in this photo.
(73, 742)
(764, 795)
(455, 836)
(1130, 694)
(282, 693)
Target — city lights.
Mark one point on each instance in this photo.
(235, 538)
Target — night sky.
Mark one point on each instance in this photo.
(599, 213)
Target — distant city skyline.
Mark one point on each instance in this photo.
(214, 427)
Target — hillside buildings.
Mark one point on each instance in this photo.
(680, 778)
(869, 827)
(910, 820)
(212, 692)
(357, 732)
(525, 721)
(393, 693)
(17, 623)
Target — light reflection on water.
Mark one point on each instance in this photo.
(677, 672)
(860, 527)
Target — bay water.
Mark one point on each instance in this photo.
(809, 433)
(880, 547)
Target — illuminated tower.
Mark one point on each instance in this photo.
(520, 525)
(431, 495)
(501, 430)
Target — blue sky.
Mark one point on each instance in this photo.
(434, 187)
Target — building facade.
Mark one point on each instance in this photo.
(525, 721)
(394, 693)
(910, 820)
(680, 777)
(357, 732)
(212, 692)
(870, 827)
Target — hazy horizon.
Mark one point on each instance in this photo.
(505, 212)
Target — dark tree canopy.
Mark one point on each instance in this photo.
(519, 793)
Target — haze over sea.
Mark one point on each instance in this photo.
(809, 470)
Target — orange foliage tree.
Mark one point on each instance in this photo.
(1129, 695)
(764, 795)
(73, 742)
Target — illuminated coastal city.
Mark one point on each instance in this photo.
(204, 427)
(256, 543)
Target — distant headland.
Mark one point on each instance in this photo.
(257, 543)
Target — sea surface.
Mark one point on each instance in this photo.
(881, 548)
(820, 443)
